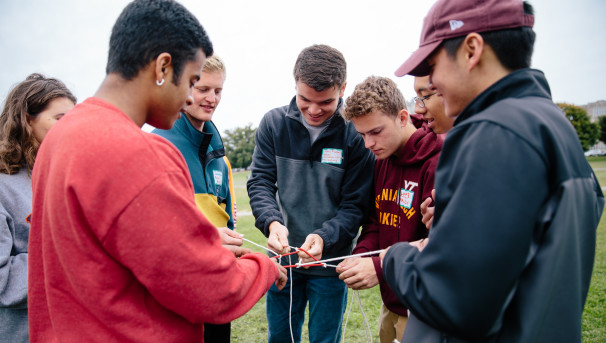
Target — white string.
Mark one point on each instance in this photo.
(341, 258)
(367, 331)
(347, 319)
(364, 316)
(260, 246)
(292, 337)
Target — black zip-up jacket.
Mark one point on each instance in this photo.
(511, 250)
(322, 188)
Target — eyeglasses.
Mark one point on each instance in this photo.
(421, 101)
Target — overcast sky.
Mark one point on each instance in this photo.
(260, 40)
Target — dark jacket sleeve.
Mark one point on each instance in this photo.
(262, 184)
(339, 231)
(369, 236)
(478, 246)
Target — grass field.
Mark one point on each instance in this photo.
(252, 327)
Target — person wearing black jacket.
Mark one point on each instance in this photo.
(317, 164)
(511, 250)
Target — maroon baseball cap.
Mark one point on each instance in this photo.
(453, 18)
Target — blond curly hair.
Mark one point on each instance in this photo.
(374, 94)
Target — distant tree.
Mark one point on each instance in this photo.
(587, 131)
(602, 121)
(239, 145)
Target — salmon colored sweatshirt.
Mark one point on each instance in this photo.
(118, 249)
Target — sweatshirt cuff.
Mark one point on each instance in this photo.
(376, 261)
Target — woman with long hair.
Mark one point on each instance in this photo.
(30, 109)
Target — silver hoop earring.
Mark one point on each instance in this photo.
(160, 83)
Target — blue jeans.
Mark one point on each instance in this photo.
(327, 298)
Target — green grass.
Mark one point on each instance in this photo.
(597, 162)
(594, 316)
(252, 327)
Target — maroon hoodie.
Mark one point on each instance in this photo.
(401, 183)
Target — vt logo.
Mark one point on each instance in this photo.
(409, 185)
(407, 194)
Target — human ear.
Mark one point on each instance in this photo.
(342, 90)
(162, 65)
(403, 117)
(473, 48)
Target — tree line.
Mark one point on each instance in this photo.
(239, 145)
(240, 142)
(589, 133)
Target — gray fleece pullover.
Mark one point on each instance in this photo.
(15, 209)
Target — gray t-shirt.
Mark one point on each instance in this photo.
(315, 131)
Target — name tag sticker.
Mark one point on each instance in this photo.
(218, 177)
(406, 197)
(332, 156)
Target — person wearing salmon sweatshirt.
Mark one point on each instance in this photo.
(119, 251)
(407, 154)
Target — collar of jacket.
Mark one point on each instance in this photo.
(185, 128)
(517, 84)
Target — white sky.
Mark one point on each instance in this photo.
(260, 40)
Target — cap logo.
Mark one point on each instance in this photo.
(455, 24)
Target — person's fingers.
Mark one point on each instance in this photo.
(427, 218)
(313, 246)
(237, 250)
(425, 204)
(277, 243)
(242, 251)
(278, 238)
(230, 237)
(345, 264)
(282, 279)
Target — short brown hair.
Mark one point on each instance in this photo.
(18, 146)
(374, 94)
(321, 67)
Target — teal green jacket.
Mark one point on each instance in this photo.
(209, 168)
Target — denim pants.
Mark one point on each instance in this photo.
(327, 296)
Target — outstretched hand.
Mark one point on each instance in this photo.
(232, 240)
(358, 273)
(229, 236)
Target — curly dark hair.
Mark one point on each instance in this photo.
(147, 28)
(18, 146)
